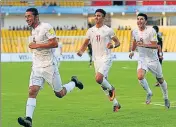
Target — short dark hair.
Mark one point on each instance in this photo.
(143, 15)
(156, 28)
(33, 10)
(101, 11)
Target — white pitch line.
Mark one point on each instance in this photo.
(161, 104)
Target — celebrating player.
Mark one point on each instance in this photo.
(145, 40)
(100, 36)
(44, 66)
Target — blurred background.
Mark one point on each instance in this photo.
(72, 18)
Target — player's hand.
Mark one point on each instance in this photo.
(79, 53)
(109, 45)
(140, 44)
(33, 46)
(161, 57)
(131, 55)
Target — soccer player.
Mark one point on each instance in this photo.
(100, 36)
(145, 40)
(160, 46)
(44, 65)
(58, 52)
(90, 54)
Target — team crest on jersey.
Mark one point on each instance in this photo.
(51, 31)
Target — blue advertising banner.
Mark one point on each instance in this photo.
(89, 9)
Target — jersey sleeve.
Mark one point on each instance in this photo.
(50, 33)
(111, 33)
(153, 35)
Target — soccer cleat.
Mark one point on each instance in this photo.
(26, 121)
(112, 94)
(157, 84)
(77, 83)
(116, 107)
(148, 98)
(167, 103)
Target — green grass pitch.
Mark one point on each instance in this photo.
(89, 107)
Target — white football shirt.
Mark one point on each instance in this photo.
(99, 38)
(146, 36)
(41, 34)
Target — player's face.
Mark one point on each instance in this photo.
(99, 17)
(141, 22)
(30, 18)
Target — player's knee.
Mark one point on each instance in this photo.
(60, 94)
(140, 77)
(99, 79)
(33, 91)
(160, 80)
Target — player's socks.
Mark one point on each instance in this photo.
(115, 102)
(145, 85)
(30, 106)
(164, 89)
(69, 86)
(106, 84)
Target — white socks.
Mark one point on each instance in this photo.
(115, 102)
(164, 89)
(106, 84)
(69, 86)
(145, 85)
(30, 106)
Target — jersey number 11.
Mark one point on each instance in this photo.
(98, 38)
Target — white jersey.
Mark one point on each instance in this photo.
(99, 38)
(146, 36)
(41, 34)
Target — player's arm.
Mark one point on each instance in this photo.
(115, 40)
(152, 45)
(160, 52)
(83, 47)
(116, 43)
(52, 43)
(153, 41)
(133, 46)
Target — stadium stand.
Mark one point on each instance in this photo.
(17, 41)
(79, 3)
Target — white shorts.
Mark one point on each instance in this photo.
(154, 67)
(49, 74)
(103, 66)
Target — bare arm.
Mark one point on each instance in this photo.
(153, 45)
(83, 47)
(52, 43)
(116, 41)
(133, 48)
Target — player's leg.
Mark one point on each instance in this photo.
(102, 69)
(156, 69)
(36, 83)
(55, 81)
(157, 83)
(141, 71)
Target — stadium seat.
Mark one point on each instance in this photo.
(149, 2)
(170, 2)
(130, 3)
(101, 3)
